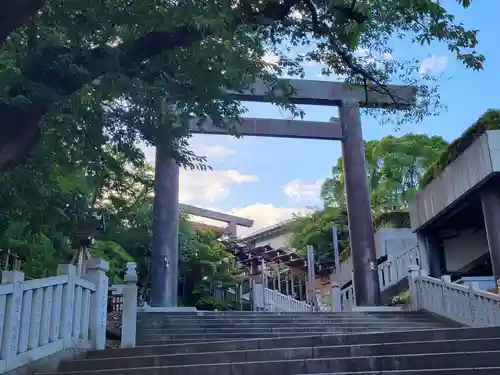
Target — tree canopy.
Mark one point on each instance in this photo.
(395, 166)
(490, 120)
(110, 71)
(37, 221)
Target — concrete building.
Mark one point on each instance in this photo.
(457, 215)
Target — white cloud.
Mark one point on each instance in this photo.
(433, 65)
(296, 15)
(213, 151)
(199, 148)
(364, 55)
(270, 58)
(301, 191)
(209, 186)
(263, 215)
(387, 55)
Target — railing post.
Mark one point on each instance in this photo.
(67, 305)
(471, 303)
(445, 279)
(353, 293)
(336, 303)
(413, 274)
(12, 321)
(129, 312)
(393, 270)
(264, 283)
(96, 273)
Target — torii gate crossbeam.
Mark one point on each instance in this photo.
(349, 98)
(232, 221)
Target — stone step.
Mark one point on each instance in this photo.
(273, 316)
(201, 323)
(243, 314)
(273, 327)
(278, 330)
(263, 333)
(193, 337)
(177, 323)
(451, 371)
(302, 341)
(277, 354)
(320, 365)
(383, 311)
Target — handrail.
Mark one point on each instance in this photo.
(457, 302)
(395, 268)
(347, 298)
(40, 317)
(277, 301)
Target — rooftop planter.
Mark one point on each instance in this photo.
(488, 121)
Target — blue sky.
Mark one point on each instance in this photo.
(267, 179)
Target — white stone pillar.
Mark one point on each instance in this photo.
(446, 278)
(279, 278)
(336, 300)
(423, 253)
(68, 301)
(96, 273)
(413, 274)
(129, 312)
(301, 293)
(12, 322)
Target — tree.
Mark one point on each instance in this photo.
(394, 166)
(79, 64)
(316, 230)
(36, 221)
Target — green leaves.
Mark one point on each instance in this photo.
(394, 169)
(104, 65)
(490, 120)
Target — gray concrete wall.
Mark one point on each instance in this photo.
(392, 241)
(469, 170)
(462, 250)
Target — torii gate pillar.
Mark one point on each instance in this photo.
(165, 254)
(359, 214)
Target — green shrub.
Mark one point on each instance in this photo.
(488, 121)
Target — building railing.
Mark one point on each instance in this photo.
(395, 268)
(265, 299)
(43, 316)
(347, 298)
(277, 301)
(457, 302)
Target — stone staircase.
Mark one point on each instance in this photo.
(242, 343)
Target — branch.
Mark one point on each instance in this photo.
(20, 128)
(14, 13)
(322, 29)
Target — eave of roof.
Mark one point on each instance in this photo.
(267, 231)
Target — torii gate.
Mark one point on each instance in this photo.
(232, 221)
(349, 98)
